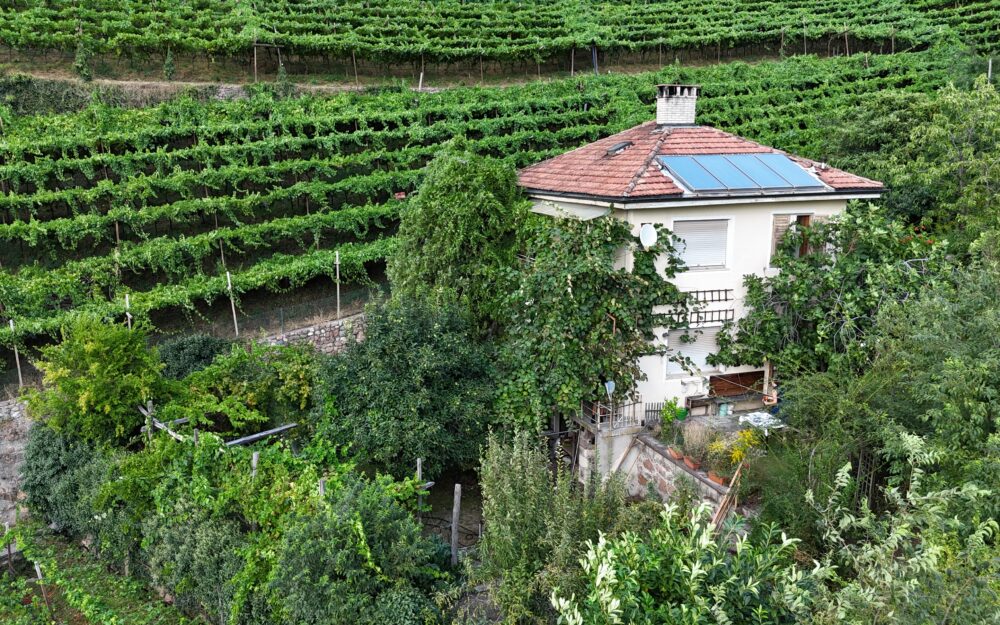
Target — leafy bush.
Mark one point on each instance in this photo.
(195, 557)
(94, 381)
(418, 386)
(61, 477)
(535, 528)
(356, 558)
(912, 563)
(683, 572)
(183, 355)
(248, 389)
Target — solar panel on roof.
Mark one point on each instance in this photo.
(789, 170)
(692, 174)
(727, 173)
(761, 173)
(740, 172)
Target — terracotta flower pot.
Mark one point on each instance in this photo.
(691, 463)
(721, 480)
(674, 454)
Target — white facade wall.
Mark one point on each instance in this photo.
(748, 250)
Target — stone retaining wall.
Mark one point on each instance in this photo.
(648, 465)
(14, 425)
(329, 337)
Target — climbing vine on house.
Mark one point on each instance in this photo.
(577, 319)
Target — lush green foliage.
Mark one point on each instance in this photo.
(536, 527)
(937, 152)
(288, 187)
(419, 386)
(359, 558)
(460, 233)
(913, 563)
(95, 380)
(501, 30)
(819, 309)
(251, 387)
(79, 589)
(685, 572)
(577, 319)
(185, 354)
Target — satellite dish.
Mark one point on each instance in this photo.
(609, 386)
(647, 235)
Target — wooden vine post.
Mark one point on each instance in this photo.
(41, 586)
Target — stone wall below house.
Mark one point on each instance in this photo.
(328, 337)
(648, 466)
(14, 425)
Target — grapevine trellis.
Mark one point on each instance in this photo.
(449, 31)
(158, 204)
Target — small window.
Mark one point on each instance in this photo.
(702, 346)
(780, 226)
(703, 242)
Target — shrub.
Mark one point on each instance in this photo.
(61, 477)
(335, 565)
(249, 388)
(535, 528)
(419, 386)
(195, 557)
(94, 381)
(683, 572)
(183, 355)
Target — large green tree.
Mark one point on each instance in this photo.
(418, 386)
(579, 318)
(818, 310)
(459, 234)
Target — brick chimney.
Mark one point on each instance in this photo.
(675, 104)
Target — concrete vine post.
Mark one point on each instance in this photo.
(128, 313)
(420, 498)
(456, 510)
(336, 263)
(232, 303)
(17, 358)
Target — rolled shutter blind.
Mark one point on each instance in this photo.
(780, 227)
(704, 242)
(698, 351)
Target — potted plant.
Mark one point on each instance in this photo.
(719, 461)
(670, 415)
(696, 440)
(676, 444)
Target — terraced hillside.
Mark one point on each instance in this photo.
(158, 203)
(448, 31)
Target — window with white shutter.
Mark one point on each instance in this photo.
(703, 242)
(703, 344)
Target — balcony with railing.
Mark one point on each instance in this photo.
(602, 417)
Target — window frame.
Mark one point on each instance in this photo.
(729, 221)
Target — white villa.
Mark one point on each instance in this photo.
(729, 199)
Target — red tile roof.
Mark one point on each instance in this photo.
(635, 172)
